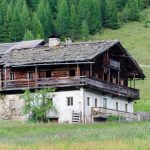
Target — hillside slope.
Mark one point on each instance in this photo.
(136, 38)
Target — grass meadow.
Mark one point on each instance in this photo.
(104, 136)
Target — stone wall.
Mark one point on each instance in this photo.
(11, 108)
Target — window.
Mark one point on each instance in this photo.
(48, 74)
(69, 101)
(72, 73)
(126, 107)
(117, 105)
(30, 75)
(96, 102)
(12, 76)
(88, 101)
(105, 102)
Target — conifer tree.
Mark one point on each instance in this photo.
(93, 16)
(28, 35)
(37, 27)
(131, 11)
(85, 30)
(74, 22)
(3, 9)
(82, 10)
(62, 21)
(45, 16)
(15, 23)
(112, 15)
(103, 10)
(32, 4)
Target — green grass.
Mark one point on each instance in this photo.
(136, 38)
(16, 135)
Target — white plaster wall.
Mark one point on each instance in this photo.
(60, 103)
(64, 112)
(111, 103)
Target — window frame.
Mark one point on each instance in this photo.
(117, 106)
(29, 75)
(88, 101)
(11, 76)
(96, 102)
(106, 102)
(70, 101)
(126, 107)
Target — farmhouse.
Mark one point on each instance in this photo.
(92, 79)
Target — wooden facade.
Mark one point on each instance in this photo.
(105, 72)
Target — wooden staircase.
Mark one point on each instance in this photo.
(76, 117)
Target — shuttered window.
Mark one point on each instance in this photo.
(69, 101)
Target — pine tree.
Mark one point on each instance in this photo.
(131, 11)
(62, 21)
(103, 10)
(85, 30)
(74, 22)
(45, 16)
(15, 24)
(28, 35)
(82, 10)
(25, 17)
(94, 16)
(112, 15)
(37, 27)
(32, 4)
(3, 9)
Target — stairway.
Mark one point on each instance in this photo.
(76, 117)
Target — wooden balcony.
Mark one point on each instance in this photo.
(105, 112)
(70, 82)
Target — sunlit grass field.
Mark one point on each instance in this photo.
(135, 37)
(104, 136)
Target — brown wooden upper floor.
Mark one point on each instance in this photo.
(107, 66)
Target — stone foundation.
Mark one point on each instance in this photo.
(11, 108)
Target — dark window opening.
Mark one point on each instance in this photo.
(12, 76)
(117, 106)
(88, 101)
(48, 74)
(69, 101)
(72, 73)
(126, 107)
(96, 102)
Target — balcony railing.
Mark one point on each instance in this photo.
(105, 112)
(71, 81)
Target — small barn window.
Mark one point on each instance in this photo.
(12, 76)
(69, 101)
(96, 102)
(48, 74)
(30, 75)
(126, 107)
(117, 105)
(88, 101)
(105, 102)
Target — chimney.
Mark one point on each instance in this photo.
(68, 41)
(54, 42)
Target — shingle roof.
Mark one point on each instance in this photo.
(7, 47)
(67, 53)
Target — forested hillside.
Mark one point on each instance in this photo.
(34, 19)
